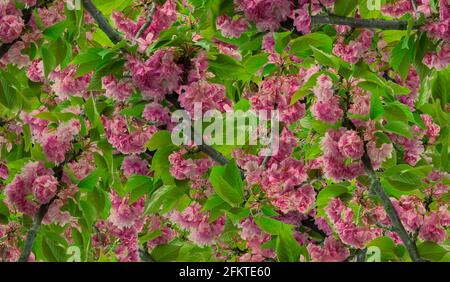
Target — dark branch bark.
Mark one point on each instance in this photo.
(360, 23)
(102, 22)
(389, 208)
(149, 20)
(31, 236)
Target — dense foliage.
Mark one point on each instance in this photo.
(88, 171)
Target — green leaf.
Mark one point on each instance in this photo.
(345, 7)
(54, 32)
(160, 165)
(49, 60)
(227, 68)
(91, 112)
(227, 182)
(376, 106)
(398, 127)
(288, 249)
(269, 225)
(431, 251)
(167, 252)
(329, 192)
(328, 59)
(159, 140)
(137, 186)
(281, 40)
(254, 63)
(301, 46)
(90, 181)
(400, 60)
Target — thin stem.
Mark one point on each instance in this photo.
(360, 23)
(149, 20)
(102, 22)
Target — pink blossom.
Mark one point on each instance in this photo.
(156, 113)
(351, 145)
(66, 83)
(433, 229)
(350, 233)
(134, 165)
(157, 76)
(254, 238)
(231, 28)
(432, 128)
(36, 71)
(21, 186)
(398, 8)
(332, 251)
(193, 219)
(124, 214)
(117, 90)
(183, 168)
(327, 107)
(117, 133)
(438, 60)
(44, 188)
(55, 215)
(411, 211)
(209, 95)
(199, 69)
(276, 92)
(302, 20)
(10, 28)
(267, 14)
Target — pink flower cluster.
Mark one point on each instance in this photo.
(350, 233)
(164, 16)
(231, 28)
(11, 23)
(157, 114)
(338, 148)
(117, 90)
(194, 219)
(275, 93)
(411, 212)
(157, 76)
(210, 96)
(66, 83)
(440, 59)
(34, 178)
(167, 233)
(124, 214)
(434, 226)
(331, 251)
(327, 107)
(126, 142)
(254, 238)
(356, 49)
(187, 168)
(441, 28)
(36, 71)
(55, 145)
(134, 165)
(266, 14)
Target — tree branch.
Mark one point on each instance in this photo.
(389, 208)
(102, 22)
(31, 236)
(149, 20)
(360, 23)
